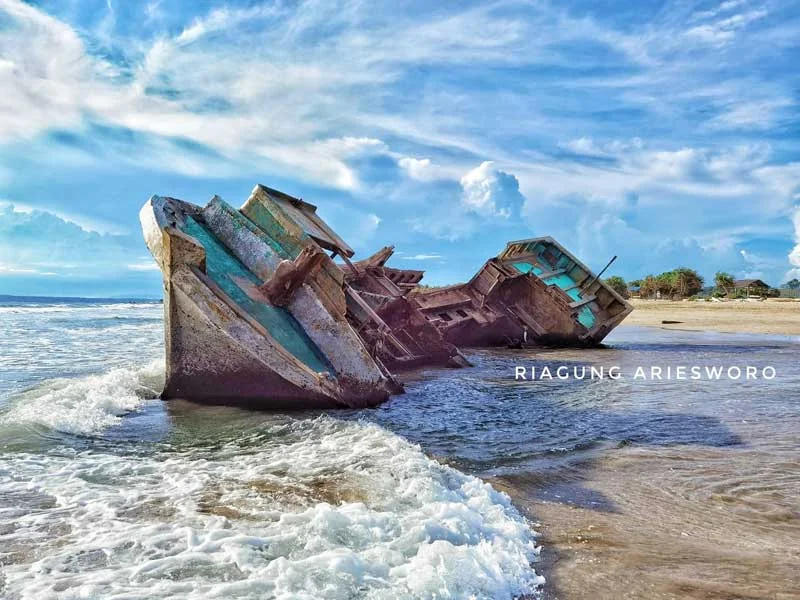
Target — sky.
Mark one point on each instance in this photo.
(667, 133)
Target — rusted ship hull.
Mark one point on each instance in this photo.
(535, 292)
(390, 323)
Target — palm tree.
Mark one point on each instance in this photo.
(724, 281)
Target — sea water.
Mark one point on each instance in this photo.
(642, 488)
(106, 492)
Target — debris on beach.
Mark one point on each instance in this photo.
(258, 311)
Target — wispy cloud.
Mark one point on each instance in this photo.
(145, 265)
(422, 257)
(476, 121)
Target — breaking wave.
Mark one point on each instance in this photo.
(86, 405)
(306, 509)
(258, 506)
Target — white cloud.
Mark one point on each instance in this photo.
(490, 192)
(759, 114)
(417, 168)
(145, 265)
(90, 224)
(266, 99)
(369, 224)
(421, 257)
(36, 242)
(794, 255)
(8, 270)
(759, 266)
(724, 7)
(724, 30)
(586, 146)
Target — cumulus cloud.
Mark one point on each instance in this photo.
(490, 192)
(36, 242)
(417, 168)
(794, 255)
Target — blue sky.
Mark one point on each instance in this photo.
(665, 132)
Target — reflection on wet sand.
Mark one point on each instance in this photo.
(642, 489)
(674, 523)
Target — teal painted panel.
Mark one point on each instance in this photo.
(221, 264)
(586, 317)
(563, 281)
(524, 267)
(574, 293)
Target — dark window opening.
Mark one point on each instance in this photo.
(445, 317)
(461, 313)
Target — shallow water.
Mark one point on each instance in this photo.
(642, 489)
(106, 492)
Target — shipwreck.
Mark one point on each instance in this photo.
(263, 305)
(535, 292)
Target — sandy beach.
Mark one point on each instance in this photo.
(775, 316)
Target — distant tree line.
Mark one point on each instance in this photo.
(681, 282)
(684, 283)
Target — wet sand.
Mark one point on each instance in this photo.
(674, 524)
(775, 316)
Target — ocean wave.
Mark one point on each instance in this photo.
(86, 405)
(75, 307)
(318, 508)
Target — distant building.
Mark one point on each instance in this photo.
(753, 287)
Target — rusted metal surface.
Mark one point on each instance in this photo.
(392, 325)
(534, 292)
(257, 311)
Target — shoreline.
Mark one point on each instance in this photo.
(771, 317)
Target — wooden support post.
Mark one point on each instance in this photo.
(290, 275)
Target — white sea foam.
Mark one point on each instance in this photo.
(73, 308)
(308, 509)
(86, 405)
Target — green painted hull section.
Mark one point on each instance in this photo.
(285, 244)
(221, 266)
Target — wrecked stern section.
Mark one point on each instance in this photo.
(391, 324)
(534, 289)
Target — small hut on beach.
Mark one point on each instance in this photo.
(751, 287)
